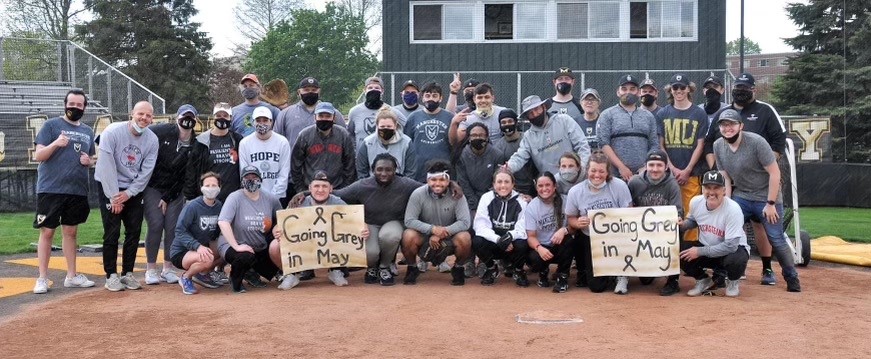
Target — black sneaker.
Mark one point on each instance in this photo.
(719, 281)
(582, 280)
(239, 290)
(411, 275)
(793, 285)
(345, 272)
(371, 276)
(520, 278)
(562, 283)
(253, 278)
(307, 275)
(458, 275)
(646, 280)
(543, 282)
(489, 276)
(671, 287)
(386, 277)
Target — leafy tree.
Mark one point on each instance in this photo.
(154, 42)
(30, 60)
(51, 19)
(329, 45)
(370, 12)
(255, 18)
(224, 80)
(832, 76)
(733, 48)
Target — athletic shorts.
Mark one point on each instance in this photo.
(54, 209)
(177, 259)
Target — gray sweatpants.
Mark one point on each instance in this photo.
(383, 243)
(160, 224)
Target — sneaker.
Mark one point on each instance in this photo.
(169, 276)
(793, 285)
(520, 279)
(41, 286)
(307, 275)
(289, 281)
(386, 277)
(220, 277)
(647, 280)
(187, 285)
(79, 281)
(203, 280)
(671, 287)
(151, 277)
(253, 279)
(130, 281)
(732, 288)
(480, 269)
(719, 281)
(622, 286)
(458, 275)
(113, 283)
(768, 277)
(444, 267)
(543, 282)
(337, 277)
(702, 286)
(371, 276)
(562, 283)
(411, 275)
(469, 269)
(489, 276)
(240, 290)
(422, 266)
(394, 269)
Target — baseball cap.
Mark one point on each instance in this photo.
(627, 79)
(648, 82)
(657, 155)
(325, 107)
(249, 170)
(714, 79)
(714, 178)
(261, 111)
(729, 115)
(680, 79)
(375, 80)
(745, 79)
(590, 91)
(185, 109)
(471, 83)
(563, 71)
(320, 175)
(222, 106)
(529, 103)
(309, 82)
(251, 77)
(410, 83)
(507, 113)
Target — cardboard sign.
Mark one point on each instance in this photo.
(635, 242)
(322, 237)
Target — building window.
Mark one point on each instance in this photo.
(662, 19)
(764, 63)
(588, 20)
(746, 63)
(498, 21)
(442, 22)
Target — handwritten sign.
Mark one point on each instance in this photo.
(635, 242)
(322, 237)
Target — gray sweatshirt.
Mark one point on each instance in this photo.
(545, 145)
(426, 210)
(630, 135)
(399, 147)
(664, 193)
(126, 160)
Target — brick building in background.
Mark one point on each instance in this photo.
(766, 68)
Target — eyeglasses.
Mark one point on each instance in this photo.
(727, 124)
(678, 87)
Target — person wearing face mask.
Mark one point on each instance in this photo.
(500, 230)
(216, 150)
(476, 164)
(563, 102)
(163, 200)
(550, 136)
(648, 96)
(243, 121)
(361, 118)
(246, 239)
(486, 112)
(269, 152)
(410, 96)
(65, 150)
(128, 153)
(386, 139)
(626, 131)
(590, 102)
(468, 94)
(428, 130)
(569, 173)
(508, 144)
(194, 249)
(323, 147)
(762, 119)
(713, 91)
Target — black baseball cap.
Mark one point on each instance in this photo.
(472, 83)
(745, 79)
(713, 79)
(410, 83)
(320, 175)
(680, 79)
(714, 178)
(627, 79)
(657, 155)
(507, 113)
(309, 82)
(563, 71)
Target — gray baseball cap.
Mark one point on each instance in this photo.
(729, 115)
(591, 91)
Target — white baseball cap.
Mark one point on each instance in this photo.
(262, 111)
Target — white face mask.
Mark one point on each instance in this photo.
(210, 192)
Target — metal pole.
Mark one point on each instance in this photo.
(90, 75)
(741, 42)
(60, 71)
(71, 55)
(129, 96)
(2, 75)
(109, 91)
(519, 86)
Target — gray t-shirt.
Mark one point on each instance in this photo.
(492, 123)
(746, 166)
(567, 108)
(541, 220)
(582, 199)
(361, 122)
(62, 172)
(246, 218)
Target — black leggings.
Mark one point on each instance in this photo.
(242, 262)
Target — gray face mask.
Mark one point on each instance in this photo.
(250, 93)
(251, 185)
(570, 175)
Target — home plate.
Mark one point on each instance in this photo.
(547, 317)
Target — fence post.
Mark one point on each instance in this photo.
(519, 94)
(90, 75)
(129, 96)
(2, 74)
(60, 56)
(71, 56)
(583, 81)
(109, 91)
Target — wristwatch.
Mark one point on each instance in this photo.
(770, 202)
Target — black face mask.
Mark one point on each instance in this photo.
(74, 114)
(222, 123)
(508, 130)
(537, 121)
(648, 100)
(478, 143)
(742, 97)
(373, 100)
(386, 133)
(563, 88)
(324, 126)
(187, 122)
(431, 106)
(713, 101)
(309, 98)
(470, 100)
(732, 139)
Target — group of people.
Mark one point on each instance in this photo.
(475, 181)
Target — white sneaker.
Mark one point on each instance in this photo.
(702, 285)
(422, 265)
(113, 283)
(130, 282)
(169, 276)
(394, 269)
(338, 278)
(732, 288)
(289, 281)
(151, 277)
(444, 267)
(79, 281)
(41, 286)
(622, 286)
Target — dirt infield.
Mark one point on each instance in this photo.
(432, 319)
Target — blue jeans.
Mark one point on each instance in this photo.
(754, 210)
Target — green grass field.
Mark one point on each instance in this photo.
(851, 224)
